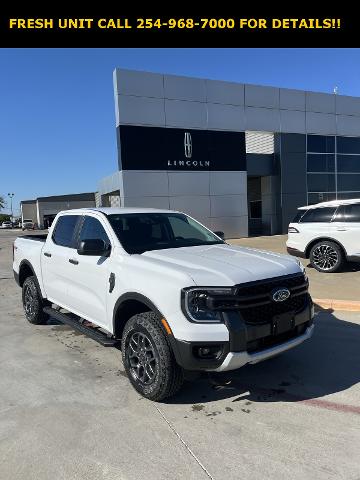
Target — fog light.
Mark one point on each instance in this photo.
(204, 351)
(208, 351)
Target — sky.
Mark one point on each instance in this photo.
(57, 120)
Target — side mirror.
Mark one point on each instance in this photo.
(94, 247)
(220, 234)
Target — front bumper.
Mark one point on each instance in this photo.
(295, 252)
(247, 343)
(234, 360)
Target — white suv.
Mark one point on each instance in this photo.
(328, 233)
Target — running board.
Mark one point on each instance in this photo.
(72, 320)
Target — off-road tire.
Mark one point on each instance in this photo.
(32, 302)
(168, 376)
(326, 249)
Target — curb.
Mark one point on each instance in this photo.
(345, 305)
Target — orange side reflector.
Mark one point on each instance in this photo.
(166, 326)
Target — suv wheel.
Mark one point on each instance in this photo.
(32, 302)
(148, 359)
(326, 257)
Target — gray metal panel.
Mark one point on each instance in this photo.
(141, 84)
(143, 184)
(184, 88)
(258, 96)
(321, 123)
(226, 117)
(347, 105)
(147, 202)
(233, 227)
(141, 110)
(263, 119)
(292, 121)
(198, 206)
(292, 99)
(258, 164)
(189, 183)
(348, 125)
(225, 183)
(110, 183)
(185, 114)
(228, 205)
(224, 92)
(320, 102)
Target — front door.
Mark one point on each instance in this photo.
(89, 283)
(345, 228)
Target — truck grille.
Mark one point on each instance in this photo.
(255, 299)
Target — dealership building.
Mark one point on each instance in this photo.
(240, 158)
(43, 210)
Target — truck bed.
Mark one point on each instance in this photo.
(40, 237)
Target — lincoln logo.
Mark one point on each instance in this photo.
(187, 145)
(281, 295)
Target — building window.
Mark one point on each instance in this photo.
(320, 144)
(333, 168)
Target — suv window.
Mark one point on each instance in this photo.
(348, 213)
(298, 216)
(64, 230)
(92, 229)
(321, 215)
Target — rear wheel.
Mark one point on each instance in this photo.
(326, 257)
(148, 359)
(32, 302)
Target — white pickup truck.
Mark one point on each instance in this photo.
(170, 293)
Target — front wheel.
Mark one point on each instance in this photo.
(148, 359)
(326, 257)
(32, 302)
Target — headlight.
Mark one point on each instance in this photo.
(197, 303)
(302, 269)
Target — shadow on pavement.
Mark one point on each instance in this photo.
(327, 363)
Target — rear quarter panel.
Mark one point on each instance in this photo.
(29, 251)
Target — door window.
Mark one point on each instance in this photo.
(93, 230)
(321, 215)
(64, 230)
(352, 213)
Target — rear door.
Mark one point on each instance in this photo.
(315, 223)
(89, 281)
(55, 266)
(345, 228)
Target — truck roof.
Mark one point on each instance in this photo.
(332, 203)
(121, 210)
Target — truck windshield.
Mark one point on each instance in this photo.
(141, 232)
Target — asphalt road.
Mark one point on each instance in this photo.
(68, 412)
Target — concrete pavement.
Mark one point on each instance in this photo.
(67, 411)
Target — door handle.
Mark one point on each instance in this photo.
(74, 262)
(341, 229)
(47, 254)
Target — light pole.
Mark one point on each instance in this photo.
(11, 195)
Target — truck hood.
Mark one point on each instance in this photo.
(223, 265)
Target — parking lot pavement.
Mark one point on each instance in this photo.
(344, 285)
(68, 412)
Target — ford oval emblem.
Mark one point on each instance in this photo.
(280, 295)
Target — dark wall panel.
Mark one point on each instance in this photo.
(292, 159)
(156, 148)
